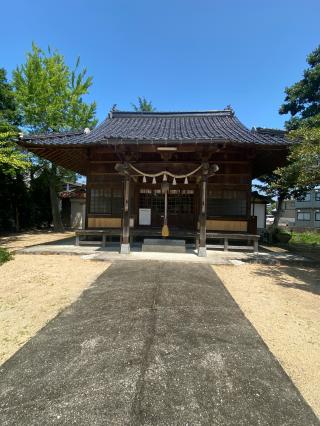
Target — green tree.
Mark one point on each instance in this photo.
(49, 97)
(305, 156)
(280, 184)
(12, 160)
(302, 101)
(8, 107)
(143, 105)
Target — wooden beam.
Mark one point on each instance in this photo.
(104, 173)
(103, 161)
(232, 174)
(229, 161)
(230, 185)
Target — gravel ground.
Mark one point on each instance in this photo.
(34, 289)
(283, 304)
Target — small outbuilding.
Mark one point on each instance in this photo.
(73, 205)
(259, 210)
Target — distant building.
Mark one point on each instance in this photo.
(302, 213)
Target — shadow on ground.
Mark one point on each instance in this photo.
(34, 238)
(308, 277)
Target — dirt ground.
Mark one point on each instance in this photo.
(283, 304)
(15, 242)
(34, 289)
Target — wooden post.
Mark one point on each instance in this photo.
(125, 243)
(202, 250)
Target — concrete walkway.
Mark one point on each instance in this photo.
(150, 343)
(214, 257)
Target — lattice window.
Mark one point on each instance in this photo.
(179, 200)
(226, 203)
(157, 202)
(180, 203)
(145, 200)
(117, 201)
(106, 201)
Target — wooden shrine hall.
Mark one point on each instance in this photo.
(167, 174)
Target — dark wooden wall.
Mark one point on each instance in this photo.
(233, 180)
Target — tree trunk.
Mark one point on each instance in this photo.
(17, 221)
(281, 198)
(56, 217)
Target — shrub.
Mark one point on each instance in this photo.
(308, 238)
(281, 235)
(4, 255)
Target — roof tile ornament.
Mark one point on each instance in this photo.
(229, 108)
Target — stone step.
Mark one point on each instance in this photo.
(164, 245)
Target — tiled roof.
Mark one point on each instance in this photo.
(165, 127)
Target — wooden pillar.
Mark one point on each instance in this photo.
(125, 243)
(202, 250)
(249, 195)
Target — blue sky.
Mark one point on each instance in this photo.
(181, 54)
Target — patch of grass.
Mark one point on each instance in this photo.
(307, 238)
(4, 255)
